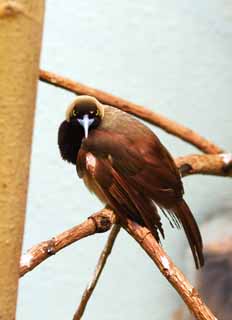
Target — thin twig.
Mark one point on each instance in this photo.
(194, 164)
(97, 273)
(166, 124)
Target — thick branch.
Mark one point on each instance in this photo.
(166, 124)
(97, 273)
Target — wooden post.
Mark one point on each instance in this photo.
(21, 24)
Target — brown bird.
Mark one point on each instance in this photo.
(127, 167)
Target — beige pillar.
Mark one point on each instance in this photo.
(20, 40)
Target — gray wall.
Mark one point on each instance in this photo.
(173, 56)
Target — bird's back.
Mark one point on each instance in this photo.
(125, 124)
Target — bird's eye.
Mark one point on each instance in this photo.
(98, 113)
(74, 113)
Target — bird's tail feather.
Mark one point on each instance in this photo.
(185, 216)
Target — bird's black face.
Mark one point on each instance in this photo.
(87, 116)
(80, 119)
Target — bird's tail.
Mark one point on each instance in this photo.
(185, 216)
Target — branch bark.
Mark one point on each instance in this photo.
(166, 124)
(20, 39)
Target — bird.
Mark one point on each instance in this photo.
(127, 167)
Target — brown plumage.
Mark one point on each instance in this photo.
(127, 167)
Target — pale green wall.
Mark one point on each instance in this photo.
(174, 56)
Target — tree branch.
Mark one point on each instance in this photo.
(166, 124)
(97, 223)
(166, 266)
(217, 165)
(144, 237)
(97, 273)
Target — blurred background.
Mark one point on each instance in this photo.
(175, 58)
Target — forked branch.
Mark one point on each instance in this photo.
(143, 236)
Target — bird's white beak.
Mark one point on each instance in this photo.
(86, 123)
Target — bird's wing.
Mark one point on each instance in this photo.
(118, 193)
(147, 164)
(133, 175)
